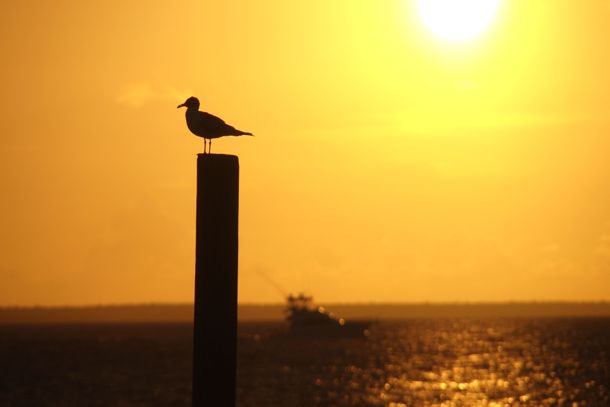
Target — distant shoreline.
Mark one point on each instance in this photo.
(149, 313)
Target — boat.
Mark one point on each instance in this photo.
(308, 321)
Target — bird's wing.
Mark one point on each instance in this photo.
(213, 124)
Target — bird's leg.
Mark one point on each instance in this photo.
(205, 144)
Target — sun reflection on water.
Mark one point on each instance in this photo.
(457, 363)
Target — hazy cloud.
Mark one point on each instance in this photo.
(138, 94)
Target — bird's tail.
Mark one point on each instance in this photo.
(243, 133)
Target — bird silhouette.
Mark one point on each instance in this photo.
(206, 125)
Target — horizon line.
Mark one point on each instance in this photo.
(342, 303)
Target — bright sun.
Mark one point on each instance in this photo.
(457, 20)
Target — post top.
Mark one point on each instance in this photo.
(208, 157)
(215, 156)
(217, 160)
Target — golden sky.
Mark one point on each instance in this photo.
(388, 164)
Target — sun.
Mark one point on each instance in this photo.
(457, 20)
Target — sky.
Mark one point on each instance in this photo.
(388, 164)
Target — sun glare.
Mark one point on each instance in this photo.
(457, 20)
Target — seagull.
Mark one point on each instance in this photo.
(208, 126)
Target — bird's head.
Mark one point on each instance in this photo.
(191, 103)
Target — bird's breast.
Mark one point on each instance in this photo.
(193, 122)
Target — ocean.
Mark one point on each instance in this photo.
(420, 362)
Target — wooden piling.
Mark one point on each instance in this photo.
(215, 325)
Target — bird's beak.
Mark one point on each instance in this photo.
(182, 105)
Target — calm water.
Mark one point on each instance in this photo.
(410, 363)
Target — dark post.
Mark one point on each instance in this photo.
(215, 331)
